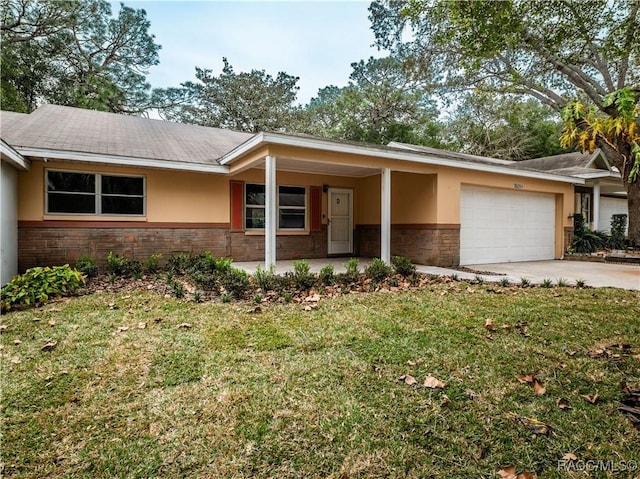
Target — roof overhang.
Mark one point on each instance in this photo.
(49, 154)
(265, 139)
(13, 157)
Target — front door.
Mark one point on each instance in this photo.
(340, 221)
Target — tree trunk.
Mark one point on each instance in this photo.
(624, 162)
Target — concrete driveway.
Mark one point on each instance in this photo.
(594, 274)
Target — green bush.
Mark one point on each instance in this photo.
(38, 285)
(584, 239)
(353, 270)
(236, 282)
(123, 266)
(302, 276)
(87, 266)
(326, 275)
(266, 279)
(152, 264)
(378, 270)
(618, 231)
(403, 266)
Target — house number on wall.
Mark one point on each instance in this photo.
(518, 186)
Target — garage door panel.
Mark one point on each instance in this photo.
(502, 226)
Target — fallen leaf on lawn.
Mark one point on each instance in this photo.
(50, 346)
(572, 353)
(488, 325)
(408, 379)
(508, 472)
(433, 383)
(590, 399)
(445, 400)
(157, 320)
(471, 290)
(569, 456)
(506, 327)
(563, 404)
(16, 342)
(122, 329)
(538, 387)
(113, 306)
(187, 325)
(52, 323)
(307, 308)
(535, 426)
(526, 378)
(314, 298)
(142, 325)
(2, 327)
(15, 360)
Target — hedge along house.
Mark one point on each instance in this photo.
(101, 183)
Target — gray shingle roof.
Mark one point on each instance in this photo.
(87, 131)
(575, 159)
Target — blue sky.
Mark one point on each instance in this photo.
(314, 40)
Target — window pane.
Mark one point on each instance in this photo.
(122, 205)
(254, 194)
(291, 218)
(254, 218)
(65, 203)
(292, 196)
(73, 182)
(122, 185)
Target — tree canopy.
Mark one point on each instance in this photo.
(246, 101)
(75, 53)
(556, 51)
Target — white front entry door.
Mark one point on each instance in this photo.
(340, 221)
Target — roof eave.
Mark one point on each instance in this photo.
(13, 157)
(46, 153)
(413, 156)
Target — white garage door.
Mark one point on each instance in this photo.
(499, 226)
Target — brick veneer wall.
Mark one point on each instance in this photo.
(436, 245)
(47, 243)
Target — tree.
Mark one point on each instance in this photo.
(381, 104)
(75, 53)
(554, 50)
(503, 126)
(246, 101)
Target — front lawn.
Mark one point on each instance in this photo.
(138, 385)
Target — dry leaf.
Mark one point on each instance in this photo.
(188, 325)
(488, 325)
(314, 298)
(526, 378)
(591, 399)
(433, 383)
(411, 363)
(538, 387)
(563, 403)
(52, 323)
(142, 325)
(50, 346)
(569, 456)
(537, 427)
(113, 306)
(307, 308)
(16, 342)
(408, 379)
(122, 329)
(508, 472)
(2, 327)
(15, 360)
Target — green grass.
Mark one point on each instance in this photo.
(294, 393)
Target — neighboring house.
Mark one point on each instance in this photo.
(602, 195)
(101, 182)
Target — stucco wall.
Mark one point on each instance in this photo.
(8, 222)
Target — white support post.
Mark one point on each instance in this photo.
(270, 212)
(596, 205)
(385, 216)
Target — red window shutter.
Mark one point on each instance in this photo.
(316, 208)
(237, 205)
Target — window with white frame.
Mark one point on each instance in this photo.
(292, 207)
(94, 194)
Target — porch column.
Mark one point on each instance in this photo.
(270, 213)
(596, 204)
(385, 216)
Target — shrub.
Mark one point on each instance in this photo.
(618, 231)
(87, 266)
(403, 266)
(266, 279)
(562, 283)
(326, 275)
(378, 270)
(152, 264)
(353, 270)
(584, 239)
(524, 282)
(123, 266)
(504, 282)
(38, 285)
(546, 283)
(236, 282)
(302, 276)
